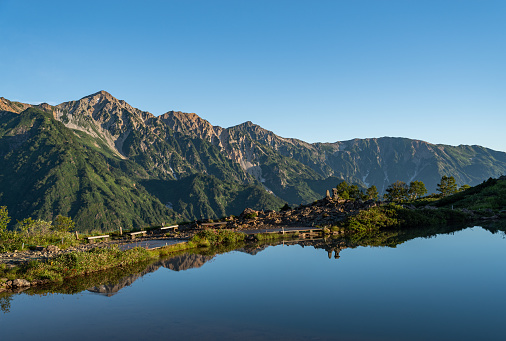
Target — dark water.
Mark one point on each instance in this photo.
(447, 287)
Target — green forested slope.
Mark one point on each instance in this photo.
(205, 196)
(48, 169)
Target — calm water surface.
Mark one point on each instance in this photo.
(451, 286)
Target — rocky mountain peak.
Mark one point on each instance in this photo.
(101, 93)
(190, 123)
(102, 115)
(17, 107)
(45, 107)
(101, 98)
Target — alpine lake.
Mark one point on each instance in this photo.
(431, 284)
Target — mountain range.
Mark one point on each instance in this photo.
(107, 164)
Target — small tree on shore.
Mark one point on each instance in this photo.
(416, 189)
(355, 192)
(398, 191)
(63, 224)
(346, 191)
(343, 190)
(448, 186)
(372, 193)
(30, 227)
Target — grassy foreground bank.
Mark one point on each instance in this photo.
(81, 263)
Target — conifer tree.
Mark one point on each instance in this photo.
(398, 191)
(372, 193)
(448, 186)
(416, 189)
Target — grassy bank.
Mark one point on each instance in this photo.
(275, 236)
(76, 264)
(81, 263)
(395, 216)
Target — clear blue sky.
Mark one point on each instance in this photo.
(315, 70)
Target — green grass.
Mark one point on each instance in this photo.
(76, 264)
(209, 237)
(11, 240)
(84, 262)
(395, 216)
(275, 236)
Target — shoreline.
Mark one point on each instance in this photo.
(348, 218)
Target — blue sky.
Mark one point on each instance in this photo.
(315, 70)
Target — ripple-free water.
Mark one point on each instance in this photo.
(448, 287)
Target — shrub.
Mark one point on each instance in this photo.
(63, 224)
(251, 215)
(374, 218)
(209, 237)
(286, 207)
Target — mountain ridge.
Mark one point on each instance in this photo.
(160, 153)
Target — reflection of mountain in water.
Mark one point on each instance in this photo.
(185, 262)
(253, 249)
(333, 246)
(177, 263)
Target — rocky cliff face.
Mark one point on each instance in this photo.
(104, 117)
(130, 133)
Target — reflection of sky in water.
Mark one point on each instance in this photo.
(448, 287)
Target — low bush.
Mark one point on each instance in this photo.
(373, 219)
(209, 237)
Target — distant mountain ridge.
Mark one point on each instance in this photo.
(189, 169)
(372, 161)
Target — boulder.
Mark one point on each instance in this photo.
(20, 283)
(52, 248)
(248, 212)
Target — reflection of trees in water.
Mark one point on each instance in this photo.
(498, 226)
(5, 302)
(387, 238)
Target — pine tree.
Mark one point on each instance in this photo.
(398, 191)
(372, 193)
(416, 189)
(448, 186)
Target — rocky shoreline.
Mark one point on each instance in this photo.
(324, 213)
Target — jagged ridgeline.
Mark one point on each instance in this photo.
(107, 164)
(50, 169)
